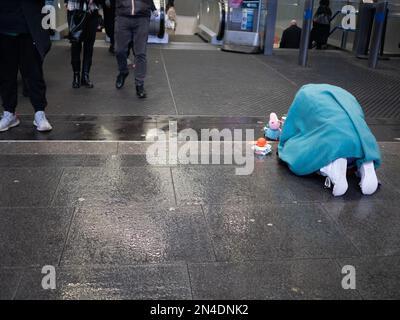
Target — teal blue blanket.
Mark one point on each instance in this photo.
(325, 123)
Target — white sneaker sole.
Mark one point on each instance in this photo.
(336, 171)
(42, 129)
(11, 126)
(369, 180)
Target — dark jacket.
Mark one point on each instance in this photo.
(323, 15)
(135, 8)
(32, 15)
(291, 38)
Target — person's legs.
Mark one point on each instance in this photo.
(31, 66)
(88, 45)
(8, 80)
(140, 36)
(336, 173)
(9, 71)
(32, 71)
(76, 48)
(123, 36)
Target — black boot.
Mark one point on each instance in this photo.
(76, 83)
(121, 80)
(86, 80)
(141, 93)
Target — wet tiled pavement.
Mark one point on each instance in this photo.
(85, 199)
(117, 227)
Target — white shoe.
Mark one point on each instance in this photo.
(369, 180)
(9, 120)
(336, 173)
(41, 123)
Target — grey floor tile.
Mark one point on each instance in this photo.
(58, 147)
(299, 279)
(220, 185)
(258, 93)
(115, 186)
(31, 187)
(9, 280)
(131, 235)
(89, 185)
(373, 227)
(116, 161)
(268, 232)
(33, 236)
(41, 161)
(147, 185)
(158, 282)
(376, 277)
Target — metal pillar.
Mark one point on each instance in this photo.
(379, 27)
(306, 32)
(270, 25)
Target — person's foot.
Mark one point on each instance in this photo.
(141, 93)
(111, 49)
(336, 173)
(369, 180)
(76, 83)
(9, 120)
(121, 80)
(41, 123)
(86, 81)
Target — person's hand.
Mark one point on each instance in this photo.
(156, 13)
(108, 3)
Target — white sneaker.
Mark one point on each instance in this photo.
(41, 123)
(9, 120)
(336, 173)
(369, 180)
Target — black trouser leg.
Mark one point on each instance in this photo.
(109, 23)
(31, 66)
(9, 71)
(123, 37)
(88, 43)
(140, 37)
(76, 48)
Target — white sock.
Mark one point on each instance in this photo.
(336, 172)
(369, 180)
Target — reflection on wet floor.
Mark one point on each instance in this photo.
(139, 128)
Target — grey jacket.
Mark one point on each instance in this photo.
(134, 7)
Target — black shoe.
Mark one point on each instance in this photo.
(111, 49)
(141, 93)
(76, 83)
(121, 80)
(86, 81)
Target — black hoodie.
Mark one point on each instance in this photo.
(25, 16)
(134, 7)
